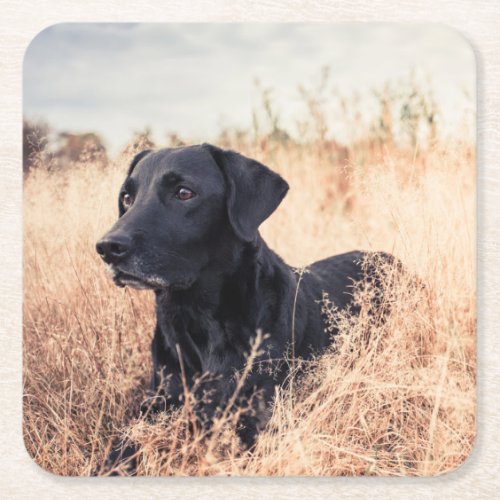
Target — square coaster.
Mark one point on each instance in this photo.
(249, 249)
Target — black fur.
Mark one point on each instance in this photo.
(215, 279)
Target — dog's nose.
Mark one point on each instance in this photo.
(113, 247)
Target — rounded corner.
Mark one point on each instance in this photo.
(463, 40)
(464, 462)
(37, 36)
(33, 459)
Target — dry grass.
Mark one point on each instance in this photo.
(391, 399)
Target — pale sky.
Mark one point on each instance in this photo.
(115, 79)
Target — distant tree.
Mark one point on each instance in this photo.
(79, 148)
(174, 140)
(140, 140)
(41, 146)
(35, 142)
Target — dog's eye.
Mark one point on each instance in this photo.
(184, 194)
(127, 201)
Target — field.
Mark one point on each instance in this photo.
(396, 398)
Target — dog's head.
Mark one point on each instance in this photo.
(180, 208)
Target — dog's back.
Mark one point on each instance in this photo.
(332, 283)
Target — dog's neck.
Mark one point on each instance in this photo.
(207, 319)
(234, 279)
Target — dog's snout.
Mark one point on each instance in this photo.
(113, 247)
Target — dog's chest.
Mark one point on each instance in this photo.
(205, 342)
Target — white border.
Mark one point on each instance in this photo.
(477, 21)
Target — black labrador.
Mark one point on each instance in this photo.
(188, 230)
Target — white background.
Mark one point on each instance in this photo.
(478, 21)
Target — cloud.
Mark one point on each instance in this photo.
(116, 78)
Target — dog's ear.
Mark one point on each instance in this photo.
(137, 158)
(254, 191)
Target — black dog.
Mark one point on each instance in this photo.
(188, 229)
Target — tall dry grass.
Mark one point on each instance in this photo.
(396, 398)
